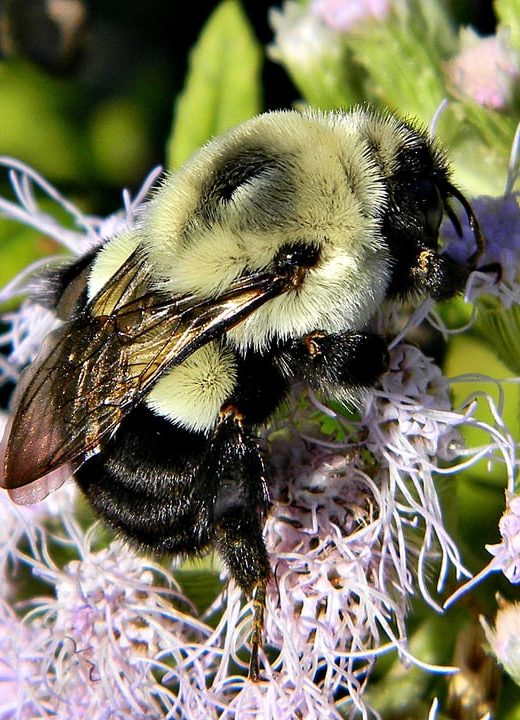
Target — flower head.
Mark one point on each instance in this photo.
(499, 218)
(300, 37)
(486, 69)
(355, 531)
(346, 15)
(504, 638)
(97, 640)
(507, 553)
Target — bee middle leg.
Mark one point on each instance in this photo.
(241, 502)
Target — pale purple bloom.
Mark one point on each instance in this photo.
(25, 523)
(355, 531)
(486, 69)
(500, 221)
(346, 15)
(499, 218)
(507, 553)
(23, 650)
(91, 650)
(504, 637)
(301, 38)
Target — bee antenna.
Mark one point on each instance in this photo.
(472, 219)
(453, 218)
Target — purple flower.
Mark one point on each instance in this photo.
(356, 530)
(499, 218)
(486, 70)
(94, 649)
(504, 638)
(302, 40)
(24, 694)
(346, 15)
(507, 553)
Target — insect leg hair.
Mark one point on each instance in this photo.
(241, 502)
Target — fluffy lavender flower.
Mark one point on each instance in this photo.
(346, 15)
(95, 649)
(507, 553)
(302, 40)
(496, 299)
(355, 531)
(22, 651)
(486, 69)
(504, 638)
(499, 218)
(25, 523)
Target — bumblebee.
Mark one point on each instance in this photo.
(258, 263)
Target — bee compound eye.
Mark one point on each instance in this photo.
(429, 198)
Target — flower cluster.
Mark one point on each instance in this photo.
(355, 532)
(93, 649)
(343, 15)
(485, 69)
(503, 638)
(507, 553)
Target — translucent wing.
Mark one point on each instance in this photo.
(97, 367)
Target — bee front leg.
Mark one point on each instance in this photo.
(326, 361)
(235, 464)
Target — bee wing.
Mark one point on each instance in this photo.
(35, 442)
(94, 369)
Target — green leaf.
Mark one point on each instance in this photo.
(403, 691)
(223, 83)
(118, 130)
(508, 15)
(200, 581)
(467, 359)
(479, 146)
(500, 330)
(403, 57)
(37, 125)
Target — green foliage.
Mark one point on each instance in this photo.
(508, 16)
(406, 691)
(499, 329)
(35, 125)
(479, 147)
(19, 247)
(117, 130)
(402, 58)
(223, 83)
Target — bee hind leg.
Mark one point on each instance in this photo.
(235, 462)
